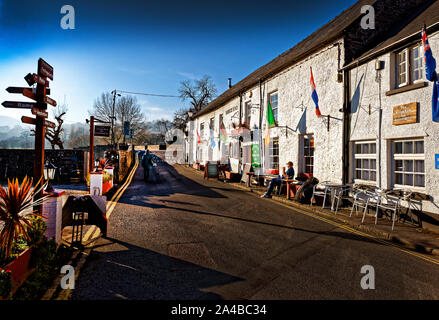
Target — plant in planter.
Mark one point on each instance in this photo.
(5, 283)
(16, 208)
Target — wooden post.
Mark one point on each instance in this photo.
(92, 135)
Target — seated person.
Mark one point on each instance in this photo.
(278, 181)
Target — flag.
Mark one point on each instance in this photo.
(270, 116)
(212, 139)
(314, 95)
(430, 72)
(267, 138)
(198, 138)
(223, 133)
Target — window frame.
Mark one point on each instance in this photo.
(407, 157)
(409, 66)
(304, 165)
(275, 114)
(271, 154)
(365, 156)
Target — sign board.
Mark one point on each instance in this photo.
(436, 161)
(40, 80)
(212, 170)
(39, 112)
(28, 120)
(405, 114)
(126, 128)
(49, 124)
(28, 93)
(50, 101)
(19, 105)
(102, 131)
(45, 69)
(256, 156)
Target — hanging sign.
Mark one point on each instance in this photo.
(406, 113)
(256, 156)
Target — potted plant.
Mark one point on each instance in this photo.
(17, 230)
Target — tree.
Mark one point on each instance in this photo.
(55, 135)
(128, 109)
(199, 93)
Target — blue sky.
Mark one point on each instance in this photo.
(147, 46)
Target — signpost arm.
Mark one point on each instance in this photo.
(91, 157)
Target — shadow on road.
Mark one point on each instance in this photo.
(135, 273)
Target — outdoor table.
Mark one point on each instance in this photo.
(289, 190)
(331, 187)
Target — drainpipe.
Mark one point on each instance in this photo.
(346, 125)
(261, 154)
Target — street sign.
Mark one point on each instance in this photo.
(102, 131)
(45, 69)
(50, 101)
(20, 90)
(126, 128)
(436, 161)
(18, 105)
(49, 124)
(28, 120)
(28, 93)
(39, 112)
(40, 80)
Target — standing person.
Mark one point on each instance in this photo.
(289, 174)
(147, 164)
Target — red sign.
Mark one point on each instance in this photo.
(18, 105)
(39, 113)
(28, 93)
(49, 124)
(28, 120)
(49, 101)
(45, 69)
(40, 80)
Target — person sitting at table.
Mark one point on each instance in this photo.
(289, 174)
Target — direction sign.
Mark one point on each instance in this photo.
(20, 90)
(45, 69)
(49, 124)
(28, 120)
(39, 113)
(28, 93)
(102, 131)
(40, 80)
(49, 101)
(19, 105)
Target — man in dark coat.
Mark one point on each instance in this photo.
(147, 164)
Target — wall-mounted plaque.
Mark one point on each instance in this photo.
(406, 113)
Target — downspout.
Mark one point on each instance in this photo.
(261, 154)
(346, 125)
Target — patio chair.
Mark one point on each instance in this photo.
(318, 191)
(341, 194)
(388, 201)
(363, 199)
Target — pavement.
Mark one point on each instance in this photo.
(183, 237)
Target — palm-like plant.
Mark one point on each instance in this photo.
(15, 203)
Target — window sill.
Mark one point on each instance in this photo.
(406, 88)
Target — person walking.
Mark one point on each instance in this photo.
(289, 174)
(147, 164)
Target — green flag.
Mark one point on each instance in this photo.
(270, 116)
(223, 134)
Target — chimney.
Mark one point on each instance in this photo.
(230, 83)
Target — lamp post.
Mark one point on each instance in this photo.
(49, 174)
(114, 93)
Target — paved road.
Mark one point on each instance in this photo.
(185, 238)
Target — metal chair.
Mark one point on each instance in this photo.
(362, 199)
(319, 192)
(340, 194)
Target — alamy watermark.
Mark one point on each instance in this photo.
(68, 281)
(368, 20)
(68, 20)
(368, 280)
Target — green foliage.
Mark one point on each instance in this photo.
(37, 229)
(5, 283)
(43, 253)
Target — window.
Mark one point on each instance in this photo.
(409, 66)
(308, 154)
(417, 58)
(273, 98)
(273, 154)
(248, 112)
(365, 161)
(408, 167)
(212, 124)
(202, 131)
